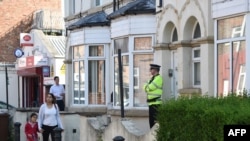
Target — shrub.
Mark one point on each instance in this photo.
(200, 118)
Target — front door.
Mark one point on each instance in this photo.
(174, 78)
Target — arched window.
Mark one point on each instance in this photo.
(197, 31)
(174, 35)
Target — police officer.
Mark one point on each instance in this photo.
(153, 88)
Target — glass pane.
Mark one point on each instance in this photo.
(141, 76)
(197, 53)
(96, 51)
(121, 44)
(96, 79)
(125, 72)
(231, 27)
(78, 52)
(197, 73)
(175, 35)
(239, 62)
(143, 43)
(79, 86)
(223, 69)
(197, 31)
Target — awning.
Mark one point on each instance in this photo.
(94, 19)
(35, 71)
(135, 7)
(30, 71)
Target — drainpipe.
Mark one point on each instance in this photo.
(121, 82)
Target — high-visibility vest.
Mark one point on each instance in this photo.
(153, 88)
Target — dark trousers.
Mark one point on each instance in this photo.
(48, 130)
(152, 114)
(60, 104)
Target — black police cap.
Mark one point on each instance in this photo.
(154, 66)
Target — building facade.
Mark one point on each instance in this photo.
(185, 39)
(17, 17)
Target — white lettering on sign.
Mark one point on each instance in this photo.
(236, 132)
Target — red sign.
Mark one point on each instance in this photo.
(30, 61)
(26, 38)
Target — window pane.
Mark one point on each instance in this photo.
(175, 35)
(96, 78)
(231, 27)
(121, 44)
(143, 43)
(197, 73)
(223, 69)
(141, 76)
(79, 86)
(96, 51)
(196, 53)
(97, 2)
(239, 61)
(78, 52)
(125, 72)
(197, 31)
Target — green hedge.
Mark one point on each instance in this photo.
(200, 118)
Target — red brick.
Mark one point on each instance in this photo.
(15, 18)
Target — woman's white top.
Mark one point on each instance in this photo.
(49, 116)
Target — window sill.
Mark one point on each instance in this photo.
(190, 91)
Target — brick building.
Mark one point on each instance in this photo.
(16, 17)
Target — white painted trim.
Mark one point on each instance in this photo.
(215, 60)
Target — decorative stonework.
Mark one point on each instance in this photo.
(184, 43)
(162, 14)
(199, 8)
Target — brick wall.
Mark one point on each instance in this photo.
(15, 18)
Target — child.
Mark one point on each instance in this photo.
(31, 128)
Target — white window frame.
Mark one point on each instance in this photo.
(230, 40)
(136, 76)
(86, 60)
(195, 60)
(242, 79)
(131, 52)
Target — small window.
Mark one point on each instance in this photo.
(97, 2)
(143, 43)
(96, 51)
(78, 52)
(197, 31)
(174, 35)
(121, 44)
(196, 67)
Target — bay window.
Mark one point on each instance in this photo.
(89, 75)
(231, 55)
(136, 56)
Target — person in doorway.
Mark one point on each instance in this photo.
(153, 88)
(59, 92)
(49, 118)
(31, 128)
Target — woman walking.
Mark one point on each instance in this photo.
(49, 118)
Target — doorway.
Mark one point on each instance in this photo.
(174, 78)
(32, 92)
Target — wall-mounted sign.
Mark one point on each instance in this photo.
(32, 61)
(18, 52)
(46, 71)
(26, 39)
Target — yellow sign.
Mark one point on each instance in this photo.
(63, 68)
